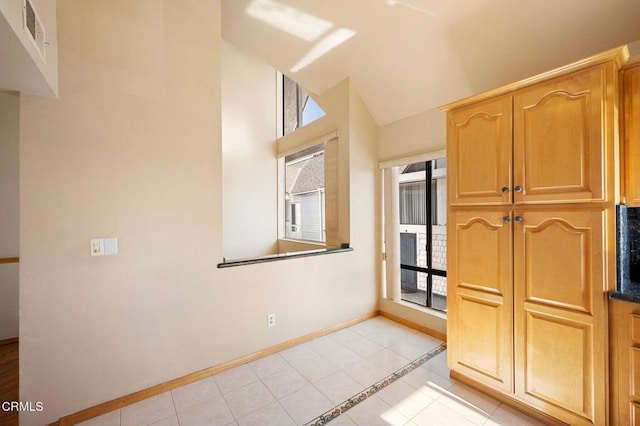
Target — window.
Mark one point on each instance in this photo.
(304, 198)
(422, 233)
(295, 218)
(299, 109)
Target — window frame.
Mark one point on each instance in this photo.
(390, 236)
(429, 213)
(301, 100)
(332, 213)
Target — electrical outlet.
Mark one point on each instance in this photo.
(97, 247)
(271, 320)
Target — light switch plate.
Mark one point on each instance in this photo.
(110, 246)
(97, 247)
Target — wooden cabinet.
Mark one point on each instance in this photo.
(479, 152)
(560, 332)
(624, 324)
(558, 131)
(632, 135)
(530, 226)
(482, 346)
(541, 144)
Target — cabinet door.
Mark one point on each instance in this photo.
(632, 135)
(560, 314)
(479, 153)
(563, 138)
(480, 320)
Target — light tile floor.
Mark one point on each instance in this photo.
(298, 384)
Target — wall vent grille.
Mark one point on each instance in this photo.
(33, 27)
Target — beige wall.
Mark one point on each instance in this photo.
(29, 72)
(133, 149)
(634, 49)
(9, 194)
(9, 213)
(290, 246)
(9, 296)
(418, 134)
(365, 190)
(249, 165)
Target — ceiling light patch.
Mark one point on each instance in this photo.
(408, 5)
(288, 19)
(322, 47)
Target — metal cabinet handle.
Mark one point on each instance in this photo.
(505, 189)
(506, 219)
(518, 219)
(518, 188)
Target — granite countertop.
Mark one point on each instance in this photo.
(628, 254)
(282, 256)
(630, 294)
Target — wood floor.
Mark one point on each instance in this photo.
(9, 381)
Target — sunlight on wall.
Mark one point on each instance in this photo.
(324, 46)
(286, 18)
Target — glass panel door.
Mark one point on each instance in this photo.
(423, 239)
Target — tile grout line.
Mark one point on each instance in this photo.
(261, 381)
(226, 402)
(175, 409)
(274, 397)
(373, 389)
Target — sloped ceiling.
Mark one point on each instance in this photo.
(408, 56)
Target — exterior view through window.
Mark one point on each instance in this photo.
(299, 109)
(423, 239)
(305, 195)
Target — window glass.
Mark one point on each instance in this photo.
(304, 195)
(423, 239)
(299, 109)
(311, 111)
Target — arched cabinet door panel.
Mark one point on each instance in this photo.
(632, 135)
(558, 129)
(480, 343)
(558, 290)
(479, 151)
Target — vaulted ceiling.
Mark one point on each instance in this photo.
(408, 56)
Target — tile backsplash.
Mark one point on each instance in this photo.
(633, 236)
(628, 236)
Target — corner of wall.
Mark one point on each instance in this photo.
(417, 134)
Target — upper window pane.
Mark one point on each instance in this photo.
(299, 109)
(311, 111)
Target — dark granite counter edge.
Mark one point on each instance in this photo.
(631, 294)
(278, 257)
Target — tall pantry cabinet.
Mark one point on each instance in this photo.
(531, 231)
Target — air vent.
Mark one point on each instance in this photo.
(33, 27)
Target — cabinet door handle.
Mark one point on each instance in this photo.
(518, 188)
(506, 219)
(518, 219)
(505, 189)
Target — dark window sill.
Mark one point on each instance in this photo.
(281, 256)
